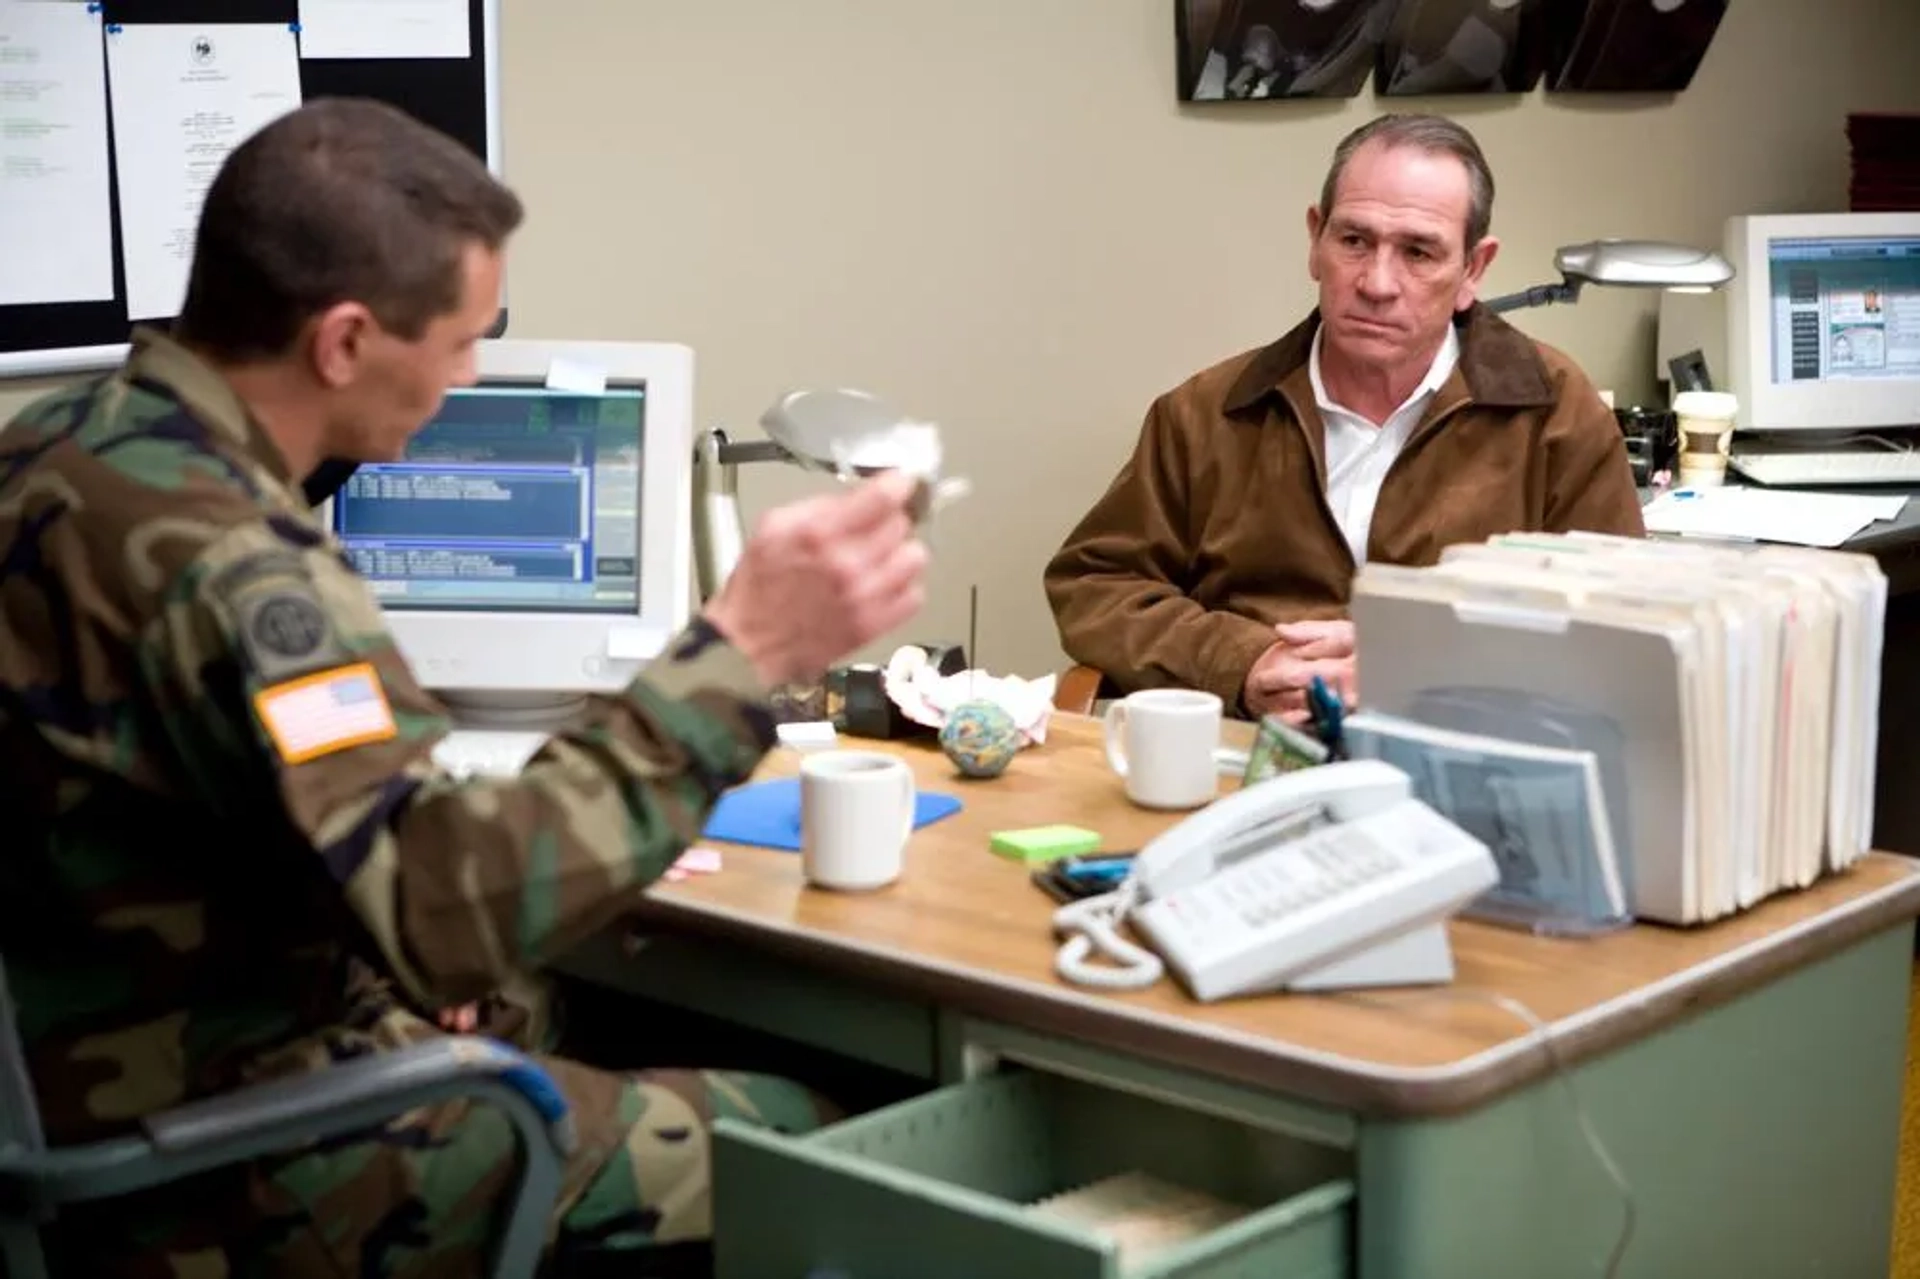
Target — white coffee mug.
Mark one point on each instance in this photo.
(1161, 741)
(856, 812)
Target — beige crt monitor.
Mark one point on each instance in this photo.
(1823, 321)
(534, 543)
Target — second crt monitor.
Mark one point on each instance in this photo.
(534, 542)
(1823, 321)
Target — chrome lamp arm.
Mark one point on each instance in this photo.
(717, 528)
(1538, 295)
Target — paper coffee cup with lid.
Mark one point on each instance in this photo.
(1705, 422)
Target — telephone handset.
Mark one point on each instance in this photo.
(1328, 876)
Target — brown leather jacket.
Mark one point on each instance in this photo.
(1218, 525)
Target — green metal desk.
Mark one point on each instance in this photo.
(1746, 1077)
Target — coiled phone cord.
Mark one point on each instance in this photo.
(1094, 925)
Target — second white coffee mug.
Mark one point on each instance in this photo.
(1161, 741)
(856, 812)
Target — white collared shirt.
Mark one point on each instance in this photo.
(1359, 453)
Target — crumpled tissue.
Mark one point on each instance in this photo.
(925, 696)
(913, 448)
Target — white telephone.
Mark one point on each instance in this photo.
(1326, 877)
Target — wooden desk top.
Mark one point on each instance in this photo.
(967, 929)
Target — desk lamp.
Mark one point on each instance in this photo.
(845, 432)
(1634, 264)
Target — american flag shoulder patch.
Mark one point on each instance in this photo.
(325, 712)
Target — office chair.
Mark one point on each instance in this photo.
(281, 1115)
(1080, 688)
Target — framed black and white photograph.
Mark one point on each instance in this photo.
(1462, 46)
(1628, 46)
(1251, 50)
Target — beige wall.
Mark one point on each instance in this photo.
(995, 214)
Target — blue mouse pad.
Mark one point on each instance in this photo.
(768, 814)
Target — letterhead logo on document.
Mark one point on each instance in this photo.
(202, 51)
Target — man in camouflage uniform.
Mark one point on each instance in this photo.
(202, 887)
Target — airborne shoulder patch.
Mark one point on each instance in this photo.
(282, 626)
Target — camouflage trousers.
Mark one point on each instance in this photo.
(419, 1199)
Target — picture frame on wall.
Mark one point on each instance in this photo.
(1462, 46)
(1255, 50)
(1628, 46)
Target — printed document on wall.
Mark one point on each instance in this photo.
(385, 29)
(56, 212)
(183, 97)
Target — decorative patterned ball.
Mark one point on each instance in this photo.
(980, 738)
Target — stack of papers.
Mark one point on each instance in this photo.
(1769, 515)
(1729, 694)
(1140, 1213)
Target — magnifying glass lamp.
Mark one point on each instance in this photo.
(848, 433)
(1633, 264)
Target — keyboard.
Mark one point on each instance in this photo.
(1841, 466)
(478, 752)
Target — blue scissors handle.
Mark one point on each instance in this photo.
(1328, 712)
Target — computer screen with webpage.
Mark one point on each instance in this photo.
(1844, 308)
(512, 499)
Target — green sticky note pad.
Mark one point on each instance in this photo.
(1044, 843)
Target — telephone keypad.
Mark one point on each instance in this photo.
(1317, 867)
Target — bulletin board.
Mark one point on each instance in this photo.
(459, 96)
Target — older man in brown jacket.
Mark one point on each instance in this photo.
(1400, 417)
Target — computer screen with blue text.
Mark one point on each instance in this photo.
(512, 499)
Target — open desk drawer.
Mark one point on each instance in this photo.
(944, 1185)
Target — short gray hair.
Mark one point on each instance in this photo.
(1434, 134)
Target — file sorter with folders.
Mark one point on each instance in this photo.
(1728, 694)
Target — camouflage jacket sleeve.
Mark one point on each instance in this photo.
(289, 708)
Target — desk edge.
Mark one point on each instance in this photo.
(1366, 1087)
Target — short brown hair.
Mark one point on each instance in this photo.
(1434, 134)
(343, 199)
